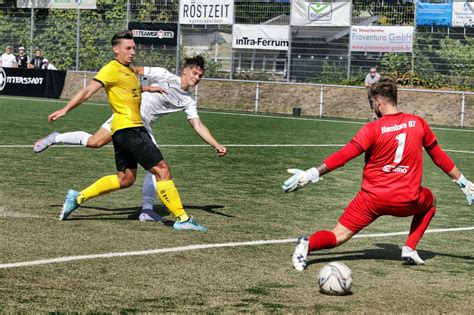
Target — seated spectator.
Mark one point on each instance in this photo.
(8, 59)
(22, 59)
(48, 65)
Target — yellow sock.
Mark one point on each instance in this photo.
(103, 186)
(169, 196)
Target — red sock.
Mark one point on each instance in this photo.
(322, 240)
(419, 224)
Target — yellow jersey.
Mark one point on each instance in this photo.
(123, 92)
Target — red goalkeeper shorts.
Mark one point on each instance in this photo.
(360, 212)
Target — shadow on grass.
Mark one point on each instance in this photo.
(133, 212)
(383, 252)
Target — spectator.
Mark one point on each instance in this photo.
(8, 59)
(37, 61)
(22, 59)
(48, 65)
(371, 78)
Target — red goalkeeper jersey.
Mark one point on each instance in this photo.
(394, 157)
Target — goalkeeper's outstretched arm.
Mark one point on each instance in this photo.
(444, 162)
(301, 178)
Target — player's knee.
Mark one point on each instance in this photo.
(126, 183)
(126, 180)
(95, 143)
(162, 171)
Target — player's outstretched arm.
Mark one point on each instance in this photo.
(467, 187)
(301, 178)
(207, 136)
(77, 100)
(153, 89)
(444, 162)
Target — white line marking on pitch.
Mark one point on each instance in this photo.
(227, 145)
(195, 247)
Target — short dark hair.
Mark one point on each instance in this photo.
(385, 88)
(121, 35)
(196, 61)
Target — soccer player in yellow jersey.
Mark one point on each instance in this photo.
(132, 143)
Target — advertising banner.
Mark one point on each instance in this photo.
(258, 36)
(382, 38)
(206, 12)
(154, 33)
(463, 13)
(57, 4)
(32, 82)
(429, 12)
(314, 13)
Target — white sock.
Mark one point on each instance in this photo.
(149, 191)
(76, 137)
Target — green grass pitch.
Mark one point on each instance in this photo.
(239, 198)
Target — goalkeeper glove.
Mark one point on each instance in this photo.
(300, 178)
(467, 188)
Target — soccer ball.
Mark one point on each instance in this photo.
(335, 278)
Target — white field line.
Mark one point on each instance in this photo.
(6, 146)
(196, 247)
(243, 114)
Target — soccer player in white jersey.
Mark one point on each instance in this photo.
(177, 97)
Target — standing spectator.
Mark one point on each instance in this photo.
(22, 59)
(37, 61)
(371, 78)
(8, 59)
(48, 65)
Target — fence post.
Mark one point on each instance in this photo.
(257, 92)
(463, 100)
(321, 101)
(178, 50)
(196, 94)
(78, 38)
(32, 29)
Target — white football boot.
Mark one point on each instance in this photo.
(300, 256)
(44, 143)
(148, 215)
(410, 257)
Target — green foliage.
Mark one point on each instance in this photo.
(335, 74)
(153, 57)
(150, 12)
(389, 12)
(459, 56)
(252, 75)
(258, 12)
(456, 54)
(213, 68)
(394, 63)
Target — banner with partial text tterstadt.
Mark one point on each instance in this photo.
(57, 4)
(314, 13)
(258, 36)
(206, 12)
(382, 38)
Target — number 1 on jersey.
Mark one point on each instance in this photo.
(400, 148)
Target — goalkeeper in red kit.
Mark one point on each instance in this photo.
(391, 184)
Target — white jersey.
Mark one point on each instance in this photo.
(8, 60)
(155, 105)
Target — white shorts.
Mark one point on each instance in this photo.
(107, 126)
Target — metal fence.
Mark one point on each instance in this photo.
(79, 40)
